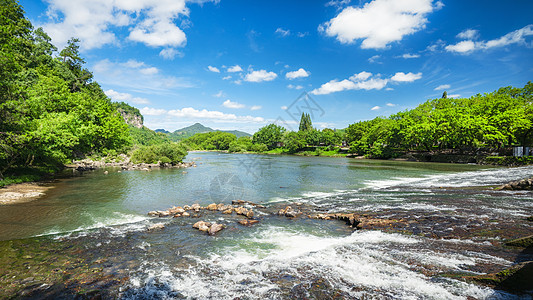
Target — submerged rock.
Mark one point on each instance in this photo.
(516, 279)
(524, 242)
(155, 227)
(243, 202)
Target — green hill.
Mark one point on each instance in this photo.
(189, 131)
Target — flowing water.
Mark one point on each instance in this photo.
(98, 223)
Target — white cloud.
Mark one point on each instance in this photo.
(389, 89)
(468, 34)
(192, 113)
(116, 96)
(136, 75)
(468, 46)
(408, 55)
(230, 104)
(390, 104)
(302, 34)
(363, 81)
(283, 32)
(284, 107)
(256, 107)
(170, 53)
(213, 69)
(461, 47)
(149, 22)
(379, 22)
(296, 87)
(220, 94)
(238, 81)
(149, 111)
(149, 71)
(374, 59)
(259, 76)
(409, 77)
(300, 73)
(235, 68)
(360, 76)
(454, 96)
(442, 87)
(375, 107)
(226, 77)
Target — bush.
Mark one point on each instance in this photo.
(172, 153)
(258, 148)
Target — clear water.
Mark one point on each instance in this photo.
(278, 257)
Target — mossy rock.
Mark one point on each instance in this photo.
(524, 242)
(530, 218)
(516, 279)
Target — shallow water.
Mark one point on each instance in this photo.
(104, 218)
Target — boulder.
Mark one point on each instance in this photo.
(196, 207)
(212, 206)
(185, 214)
(248, 222)
(228, 211)
(199, 224)
(215, 228)
(153, 213)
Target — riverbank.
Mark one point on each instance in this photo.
(23, 192)
(29, 188)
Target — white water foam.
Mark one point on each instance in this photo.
(461, 179)
(362, 264)
(119, 223)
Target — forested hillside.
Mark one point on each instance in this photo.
(486, 122)
(51, 110)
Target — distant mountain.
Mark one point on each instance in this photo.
(189, 131)
(162, 131)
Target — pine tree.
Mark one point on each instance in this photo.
(305, 123)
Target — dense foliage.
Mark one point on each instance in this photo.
(215, 140)
(146, 137)
(50, 109)
(165, 153)
(487, 122)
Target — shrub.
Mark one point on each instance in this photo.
(172, 153)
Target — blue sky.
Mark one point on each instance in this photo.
(243, 64)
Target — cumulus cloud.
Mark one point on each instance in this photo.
(390, 104)
(442, 87)
(282, 32)
(468, 34)
(300, 73)
(230, 104)
(296, 87)
(259, 76)
(408, 55)
(468, 46)
(213, 69)
(256, 107)
(117, 96)
(203, 114)
(375, 107)
(379, 22)
(364, 81)
(149, 111)
(226, 77)
(234, 69)
(170, 53)
(149, 22)
(461, 47)
(409, 77)
(374, 59)
(192, 113)
(136, 75)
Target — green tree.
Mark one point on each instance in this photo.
(269, 135)
(305, 123)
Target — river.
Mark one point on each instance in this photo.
(89, 234)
